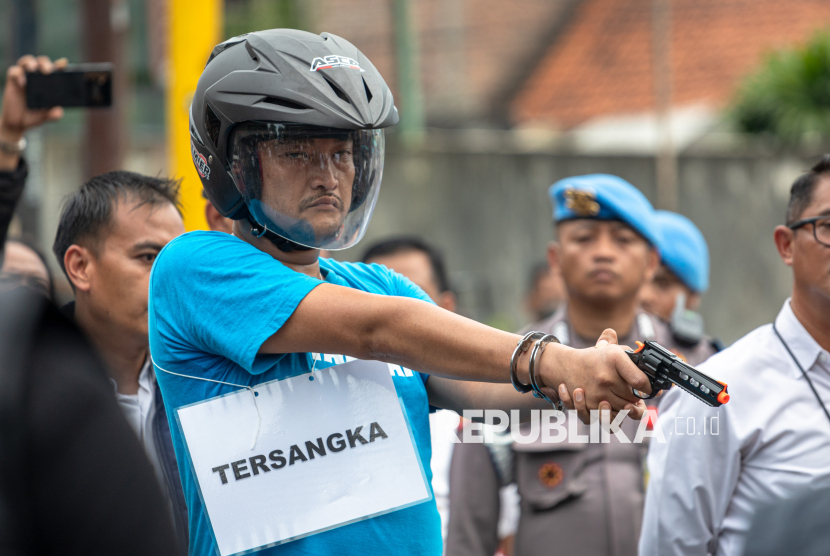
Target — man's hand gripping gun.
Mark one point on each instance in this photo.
(664, 368)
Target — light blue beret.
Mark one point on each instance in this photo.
(604, 197)
(684, 250)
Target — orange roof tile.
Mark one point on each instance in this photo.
(602, 63)
(468, 48)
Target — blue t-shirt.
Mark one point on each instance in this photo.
(214, 299)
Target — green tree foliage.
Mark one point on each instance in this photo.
(788, 98)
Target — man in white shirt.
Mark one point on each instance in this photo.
(109, 235)
(771, 442)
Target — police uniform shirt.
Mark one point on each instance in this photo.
(596, 488)
(582, 499)
(719, 465)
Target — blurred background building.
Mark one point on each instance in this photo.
(710, 107)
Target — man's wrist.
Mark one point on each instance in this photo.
(552, 366)
(523, 367)
(10, 135)
(11, 148)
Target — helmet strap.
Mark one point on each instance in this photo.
(284, 245)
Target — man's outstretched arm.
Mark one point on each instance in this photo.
(459, 395)
(418, 335)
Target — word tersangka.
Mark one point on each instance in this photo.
(335, 443)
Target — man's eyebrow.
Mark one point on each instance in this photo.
(620, 225)
(148, 245)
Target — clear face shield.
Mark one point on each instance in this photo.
(312, 185)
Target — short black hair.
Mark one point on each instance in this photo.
(87, 213)
(395, 245)
(801, 193)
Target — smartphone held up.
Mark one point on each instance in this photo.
(79, 85)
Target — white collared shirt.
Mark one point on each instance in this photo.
(772, 443)
(140, 411)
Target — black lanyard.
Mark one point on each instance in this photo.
(803, 372)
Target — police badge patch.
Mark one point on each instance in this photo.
(551, 475)
(582, 203)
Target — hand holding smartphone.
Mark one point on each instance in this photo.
(79, 85)
(15, 116)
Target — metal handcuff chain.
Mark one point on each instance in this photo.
(803, 372)
(538, 349)
(521, 347)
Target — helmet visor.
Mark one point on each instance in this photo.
(315, 186)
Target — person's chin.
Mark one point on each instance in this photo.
(325, 232)
(659, 312)
(602, 293)
(602, 283)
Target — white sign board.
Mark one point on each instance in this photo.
(333, 447)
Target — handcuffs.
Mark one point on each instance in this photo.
(540, 340)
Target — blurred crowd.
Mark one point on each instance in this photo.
(88, 465)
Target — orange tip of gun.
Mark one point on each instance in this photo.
(723, 397)
(640, 346)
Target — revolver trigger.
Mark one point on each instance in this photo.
(655, 389)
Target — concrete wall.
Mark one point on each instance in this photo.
(490, 214)
(488, 210)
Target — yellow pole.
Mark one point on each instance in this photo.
(193, 30)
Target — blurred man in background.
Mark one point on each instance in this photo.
(72, 479)
(772, 440)
(23, 265)
(424, 265)
(545, 292)
(109, 235)
(675, 290)
(418, 261)
(582, 499)
(798, 525)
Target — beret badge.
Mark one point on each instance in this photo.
(581, 203)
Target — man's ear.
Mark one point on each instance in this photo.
(652, 265)
(553, 256)
(79, 265)
(784, 238)
(448, 301)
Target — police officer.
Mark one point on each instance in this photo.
(674, 292)
(575, 498)
(287, 137)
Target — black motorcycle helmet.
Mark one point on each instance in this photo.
(283, 96)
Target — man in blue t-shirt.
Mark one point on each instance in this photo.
(287, 138)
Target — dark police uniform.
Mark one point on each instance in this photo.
(584, 499)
